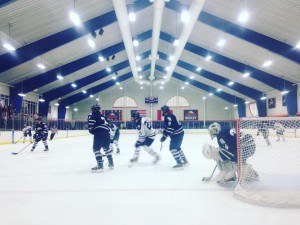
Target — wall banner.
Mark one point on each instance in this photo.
(190, 114)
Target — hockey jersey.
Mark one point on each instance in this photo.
(172, 126)
(227, 144)
(97, 123)
(27, 130)
(145, 129)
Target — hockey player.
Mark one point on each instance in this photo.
(98, 126)
(53, 132)
(27, 131)
(226, 155)
(263, 128)
(279, 131)
(146, 137)
(41, 133)
(174, 130)
(114, 133)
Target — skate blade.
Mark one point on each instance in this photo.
(97, 171)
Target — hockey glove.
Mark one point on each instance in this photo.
(138, 144)
(163, 138)
(91, 131)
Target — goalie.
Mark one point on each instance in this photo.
(226, 154)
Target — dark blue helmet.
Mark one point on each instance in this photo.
(135, 115)
(165, 109)
(95, 108)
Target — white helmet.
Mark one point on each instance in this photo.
(214, 129)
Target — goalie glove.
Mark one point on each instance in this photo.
(211, 152)
(232, 131)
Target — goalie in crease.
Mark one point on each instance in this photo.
(226, 154)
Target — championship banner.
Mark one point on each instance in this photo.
(114, 115)
(143, 113)
(191, 114)
(151, 100)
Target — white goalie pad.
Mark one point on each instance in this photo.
(228, 171)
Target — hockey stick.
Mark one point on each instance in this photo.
(18, 140)
(161, 146)
(209, 178)
(16, 153)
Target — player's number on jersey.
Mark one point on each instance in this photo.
(148, 125)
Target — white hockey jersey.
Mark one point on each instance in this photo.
(144, 126)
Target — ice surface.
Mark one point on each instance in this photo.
(57, 188)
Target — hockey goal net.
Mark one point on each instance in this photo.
(269, 170)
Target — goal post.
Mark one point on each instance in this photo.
(269, 170)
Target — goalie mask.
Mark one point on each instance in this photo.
(214, 129)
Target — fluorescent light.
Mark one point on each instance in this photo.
(91, 43)
(210, 94)
(101, 58)
(118, 83)
(187, 83)
(219, 89)
(235, 105)
(221, 43)
(75, 18)
(140, 76)
(135, 43)
(131, 17)
(165, 77)
(121, 88)
(91, 96)
(74, 85)
(246, 102)
(185, 16)
(142, 87)
(198, 69)
(226, 108)
(138, 58)
(182, 88)
(67, 107)
(22, 94)
(243, 17)
(41, 100)
(191, 77)
(267, 63)
(76, 109)
(9, 47)
(57, 104)
(284, 92)
(208, 58)
(167, 68)
(263, 97)
(171, 58)
(139, 69)
(203, 97)
(246, 74)
(97, 99)
(176, 42)
(60, 77)
(114, 77)
(84, 91)
(41, 66)
(230, 83)
(108, 69)
(161, 87)
(298, 45)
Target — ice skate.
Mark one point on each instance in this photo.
(118, 151)
(46, 149)
(32, 149)
(232, 180)
(133, 160)
(178, 166)
(98, 168)
(185, 162)
(157, 158)
(110, 164)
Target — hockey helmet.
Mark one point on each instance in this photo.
(214, 129)
(135, 115)
(95, 108)
(165, 109)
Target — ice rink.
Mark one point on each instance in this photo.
(57, 188)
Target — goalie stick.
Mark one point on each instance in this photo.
(209, 178)
(16, 153)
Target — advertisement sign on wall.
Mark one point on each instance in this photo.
(190, 114)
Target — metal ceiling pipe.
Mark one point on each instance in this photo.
(194, 11)
(122, 17)
(158, 13)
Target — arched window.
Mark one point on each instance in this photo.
(125, 102)
(182, 102)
